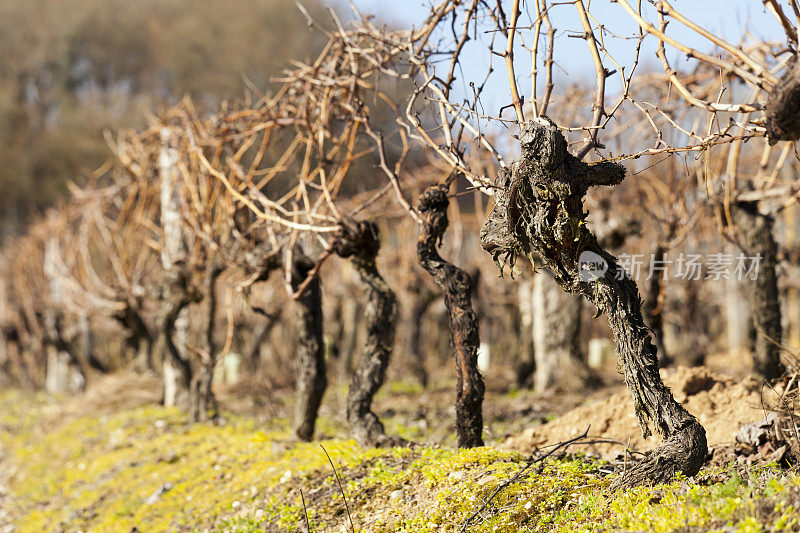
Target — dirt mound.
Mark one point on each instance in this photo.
(112, 393)
(723, 405)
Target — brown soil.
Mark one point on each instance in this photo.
(110, 394)
(722, 405)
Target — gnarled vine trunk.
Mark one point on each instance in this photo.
(87, 350)
(464, 335)
(15, 366)
(360, 242)
(64, 371)
(139, 340)
(204, 403)
(174, 326)
(762, 292)
(177, 369)
(539, 213)
(311, 379)
(783, 104)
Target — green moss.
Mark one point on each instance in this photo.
(97, 473)
(405, 386)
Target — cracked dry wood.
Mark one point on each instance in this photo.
(538, 213)
(465, 339)
(783, 105)
(311, 379)
(359, 241)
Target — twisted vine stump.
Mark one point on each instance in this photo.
(64, 370)
(762, 292)
(538, 213)
(88, 355)
(783, 105)
(177, 368)
(464, 336)
(311, 379)
(360, 242)
(15, 364)
(139, 339)
(174, 326)
(204, 403)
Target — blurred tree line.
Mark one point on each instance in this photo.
(72, 69)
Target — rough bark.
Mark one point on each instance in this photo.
(139, 339)
(783, 105)
(359, 242)
(311, 379)
(762, 292)
(463, 322)
(177, 369)
(560, 363)
(259, 263)
(539, 213)
(64, 371)
(16, 369)
(204, 403)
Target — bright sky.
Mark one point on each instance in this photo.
(727, 18)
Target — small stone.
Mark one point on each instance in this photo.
(236, 504)
(156, 495)
(117, 439)
(171, 457)
(457, 476)
(486, 479)
(286, 476)
(757, 433)
(397, 495)
(779, 455)
(259, 514)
